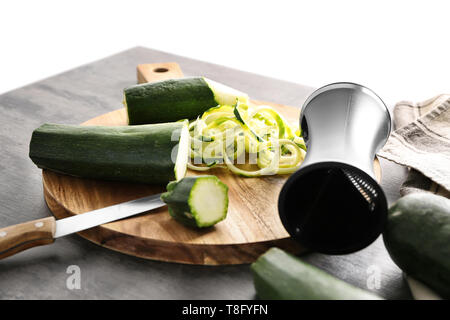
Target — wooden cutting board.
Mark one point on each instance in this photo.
(251, 227)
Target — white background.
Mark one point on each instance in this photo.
(400, 49)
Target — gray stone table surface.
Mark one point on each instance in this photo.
(93, 89)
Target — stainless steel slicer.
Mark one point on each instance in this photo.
(333, 204)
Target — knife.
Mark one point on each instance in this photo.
(19, 237)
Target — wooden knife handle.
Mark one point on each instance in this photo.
(26, 235)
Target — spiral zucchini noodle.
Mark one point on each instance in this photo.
(224, 136)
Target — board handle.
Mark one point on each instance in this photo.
(158, 71)
(19, 237)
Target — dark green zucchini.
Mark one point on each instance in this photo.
(278, 275)
(171, 100)
(200, 201)
(417, 237)
(153, 154)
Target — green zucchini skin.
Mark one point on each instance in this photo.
(417, 237)
(278, 275)
(179, 200)
(168, 100)
(124, 153)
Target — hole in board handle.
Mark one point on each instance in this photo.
(160, 70)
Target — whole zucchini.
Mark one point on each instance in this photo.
(417, 237)
(278, 275)
(153, 154)
(171, 100)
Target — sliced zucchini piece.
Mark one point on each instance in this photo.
(200, 201)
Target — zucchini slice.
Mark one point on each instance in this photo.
(200, 201)
(153, 154)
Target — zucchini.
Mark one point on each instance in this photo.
(154, 154)
(171, 100)
(240, 112)
(417, 237)
(200, 201)
(278, 275)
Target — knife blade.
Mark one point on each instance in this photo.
(101, 216)
(16, 238)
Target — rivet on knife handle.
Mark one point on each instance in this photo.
(19, 237)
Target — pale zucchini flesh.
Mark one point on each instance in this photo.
(182, 153)
(208, 201)
(225, 95)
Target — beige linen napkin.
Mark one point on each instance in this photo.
(421, 141)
